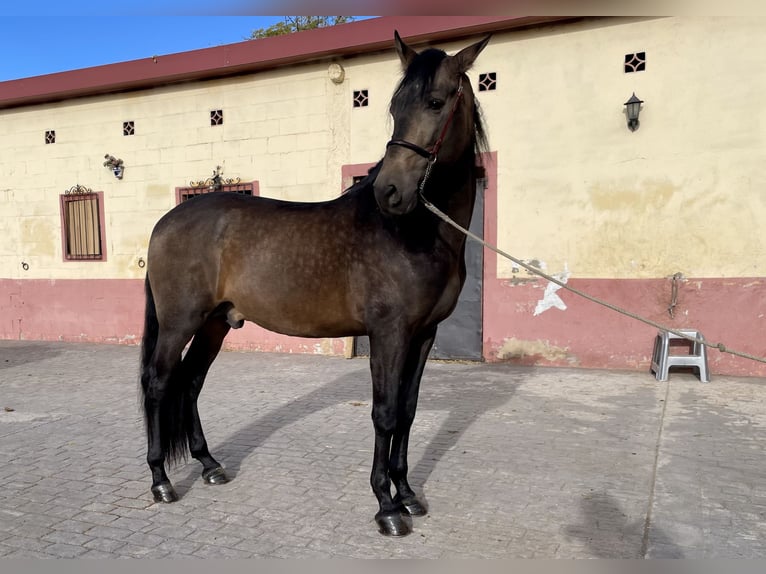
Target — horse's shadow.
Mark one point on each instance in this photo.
(447, 390)
(606, 531)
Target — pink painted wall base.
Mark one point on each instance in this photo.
(587, 335)
(112, 311)
(582, 335)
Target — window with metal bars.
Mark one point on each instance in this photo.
(186, 193)
(82, 219)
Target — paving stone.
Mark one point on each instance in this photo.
(26, 554)
(4, 550)
(109, 532)
(91, 517)
(209, 551)
(105, 544)
(135, 551)
(214, 538)
(22, 542)
(133, 524)
(61, 550)
(72, 538)
(96, 555)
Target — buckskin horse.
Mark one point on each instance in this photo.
(372, 262)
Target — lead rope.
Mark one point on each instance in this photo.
(444, 217)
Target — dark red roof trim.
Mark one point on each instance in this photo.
(253, 55)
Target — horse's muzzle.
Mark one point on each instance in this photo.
(392, 201)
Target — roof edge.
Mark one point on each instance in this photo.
(250, 56)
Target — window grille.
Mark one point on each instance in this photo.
(361, 98)
(216, 117)
(82, 218)
(635, 62)
(487, 81)
(186, 193)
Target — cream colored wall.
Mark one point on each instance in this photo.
(287, 129)
(576, 188)
(371, 126)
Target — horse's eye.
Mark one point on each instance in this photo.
(435, 104)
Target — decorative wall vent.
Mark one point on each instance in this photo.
(128, 128)
(487, 81)
(216, 117)
(635, 62)
(50, 136)
(361, 98)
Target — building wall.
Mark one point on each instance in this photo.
(669, 195)
(621, 212)
(571, 187)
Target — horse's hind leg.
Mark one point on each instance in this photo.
(408, 402)
(201, 354)
(162, 408)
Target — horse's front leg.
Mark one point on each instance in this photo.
(388, 356)
(408, 403)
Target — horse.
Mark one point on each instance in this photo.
(371, 262)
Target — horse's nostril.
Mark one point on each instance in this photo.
(394, 196)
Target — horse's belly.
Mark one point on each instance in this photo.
(303, 317)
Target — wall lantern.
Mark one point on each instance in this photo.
(116, 165)
(336, 73)
(632, 109)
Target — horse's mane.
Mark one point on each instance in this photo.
(367, 180)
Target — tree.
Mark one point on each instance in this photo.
(292, 24)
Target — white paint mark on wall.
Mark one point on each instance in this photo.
(550, 298)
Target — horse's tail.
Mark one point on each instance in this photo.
(151, 331)
(173, 408)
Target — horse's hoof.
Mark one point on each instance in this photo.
(164, 493)
(393, 524)
(215, 476)
(413, 507)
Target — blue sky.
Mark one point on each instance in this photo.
(42, 36)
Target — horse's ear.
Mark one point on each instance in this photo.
(466, 57)
(406, 54)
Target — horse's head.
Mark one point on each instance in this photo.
(434, 122)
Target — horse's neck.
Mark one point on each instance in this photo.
(454, 191)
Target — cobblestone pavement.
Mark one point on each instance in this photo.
(513, 462)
